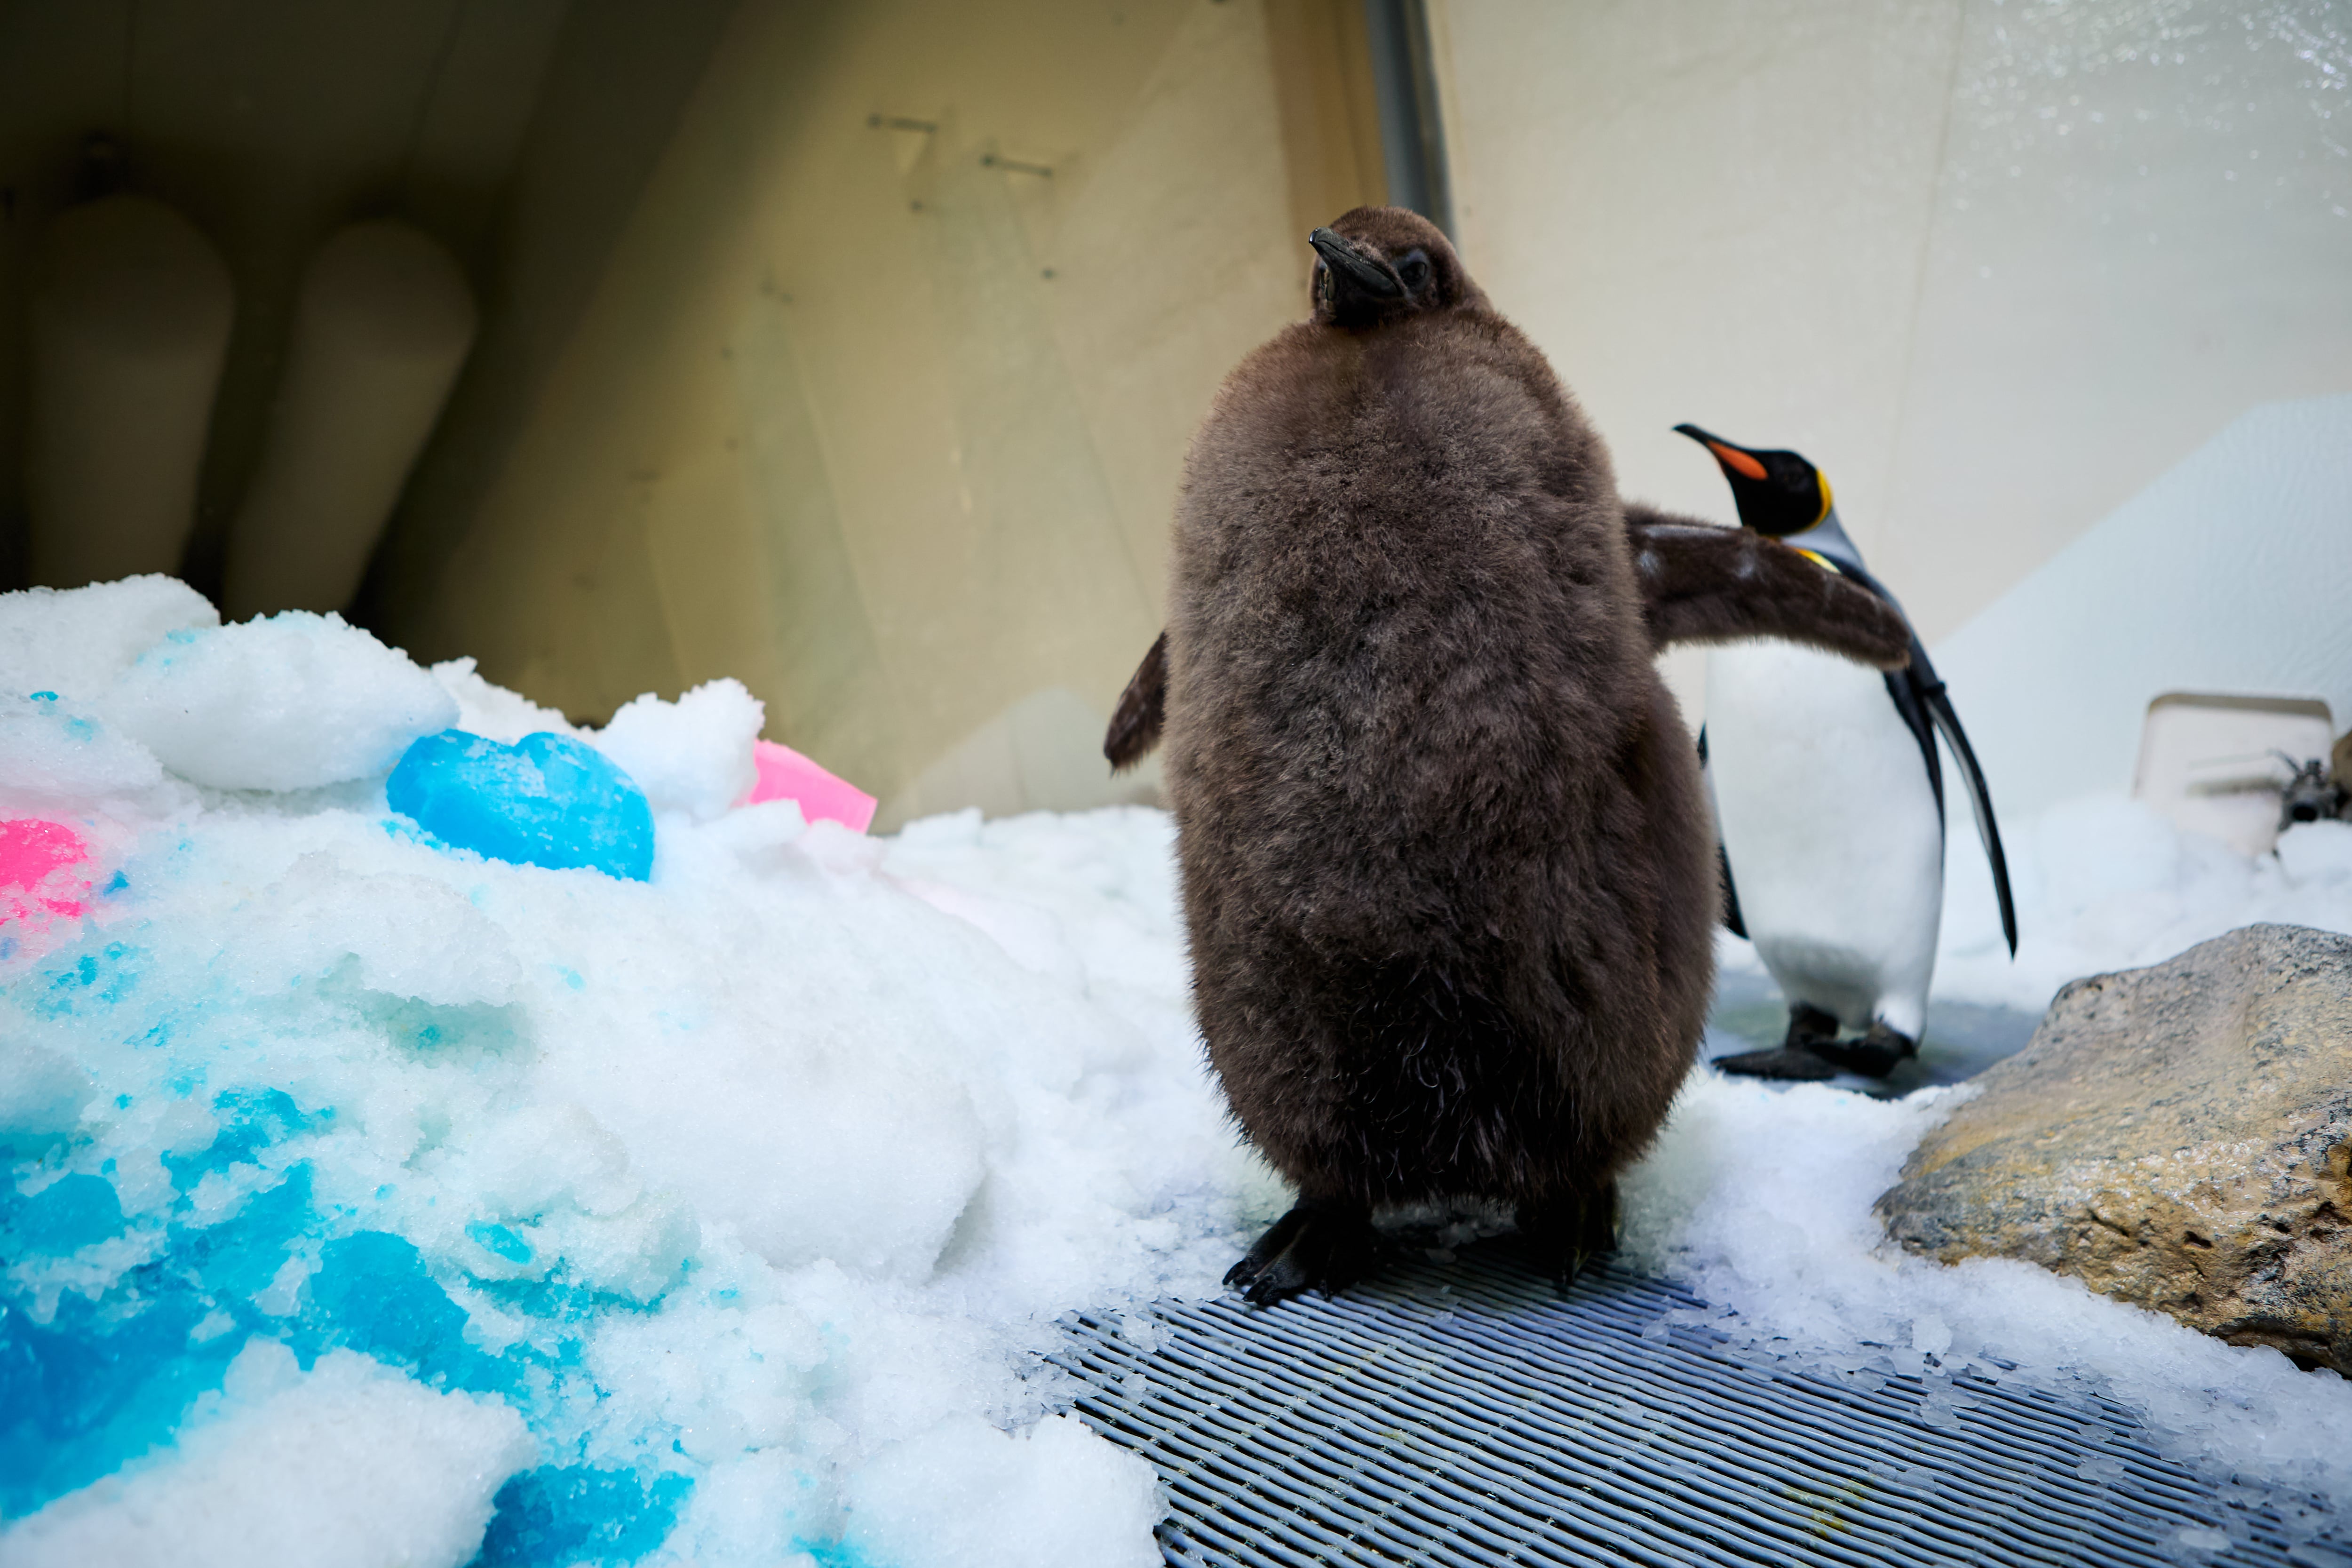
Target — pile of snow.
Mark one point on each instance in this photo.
(362, 1201)
(351, 1180)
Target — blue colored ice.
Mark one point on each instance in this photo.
(102, 1381)
(375, 1289)
(547, 800)
(499, 1239)
(89, 1389)
(65, 1216)
(250, 1123)
(557, 1516)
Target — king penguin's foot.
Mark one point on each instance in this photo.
(1790, 1064)
(1570, 1234)
(1808, 1026)
(1874, 1055)
(1320, 1245)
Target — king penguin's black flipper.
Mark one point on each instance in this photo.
(1939, 704)
(1135, 723)
(1903, 691)
(1732, 922)
(1731, 917)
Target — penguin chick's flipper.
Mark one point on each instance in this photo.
(1325, 1246)
(1570, 1234)
(1135, 723)
(1704, 584)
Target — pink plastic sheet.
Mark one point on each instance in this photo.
(785, 774)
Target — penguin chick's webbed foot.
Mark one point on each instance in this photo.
(1320, 1245)
(1874, 1055)
(1570, 1234)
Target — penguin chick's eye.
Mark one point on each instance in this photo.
(1414, 271)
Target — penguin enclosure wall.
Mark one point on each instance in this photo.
(851, 349)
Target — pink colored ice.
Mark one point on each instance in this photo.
(785, 774)
(37, 880)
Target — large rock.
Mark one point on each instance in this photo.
(2178, 1137)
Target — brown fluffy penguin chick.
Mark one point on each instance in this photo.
(1447, 868)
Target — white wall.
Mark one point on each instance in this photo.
(2232, 572)
(1994, 266)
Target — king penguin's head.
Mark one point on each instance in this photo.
(1376, 264)
(1778, 493)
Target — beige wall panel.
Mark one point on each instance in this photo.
(895, 414)
(1331, 115)
(1149, 331)
(613, 91)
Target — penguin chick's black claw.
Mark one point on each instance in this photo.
(1279, 1236)
(1572, 1232)
(1874, 1055)
(1789, 1064)
(1316, 1247)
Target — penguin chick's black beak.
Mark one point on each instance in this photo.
(1359, 284)
(1737, 459)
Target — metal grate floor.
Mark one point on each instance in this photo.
(1461, 1413)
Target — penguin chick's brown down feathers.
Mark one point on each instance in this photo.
(1447, 868)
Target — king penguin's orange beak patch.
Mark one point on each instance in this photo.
(1735, 460)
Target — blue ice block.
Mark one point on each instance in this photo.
(546, 800)
(574, 1513)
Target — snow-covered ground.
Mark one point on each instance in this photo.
(360, 1196)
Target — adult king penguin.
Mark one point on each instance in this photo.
(1829, 801)
(1447, 870)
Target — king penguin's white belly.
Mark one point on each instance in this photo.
(1830, 822)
